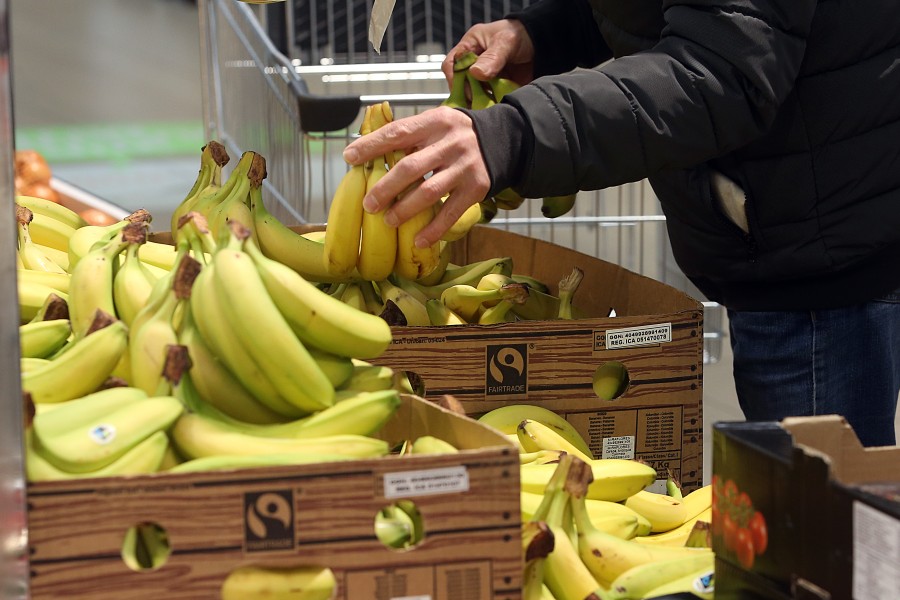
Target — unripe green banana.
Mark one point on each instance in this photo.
(212, 158)
(429, 444)
(440, 314)
(367, 377)
(42, 338)
(556, 206)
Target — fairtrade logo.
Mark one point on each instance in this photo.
(103, 434)
(507, 369)
(269, 520)
(705, 583)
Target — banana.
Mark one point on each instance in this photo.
(457, 96)
(539, 306)
(533, 283)
(213, 157)
(281, 243)
(317, 318)
(700, 584)
(222, 340)
(607, 556)
(353, 297)
(679, 536)
(413, 262)
(81, 369)
(214, 382)
(367, 377)
(197, 436)
(29, 253)
(664, 512)
(434, 277)
(250, 310)
(565, 574)
(500, 87)
(466, 300)
(429, 444)
(42, 338)
(298, 583)
(698, 501)
(538, 457)
(47, 231)
(378, 240)
(488, 210)
(440, 314)
(537, 543)
(338, 369)
(91, 285)
(480, 98)
(612, 517)
(506, 419)
(610, 380)
(508, 199)
(147, 345)
(213, 196)
(86, 237)
(33, 297)
(51, 209)
(27, 364)
(236, 207)
(471, 217)
(469, 275)
(639, 581)
(144, 458)
(53, 307)
(344, 226)
(57, 281)
(534, 436)
(133, 281)
(568, 285)
(413, 312)
(556, 206)
(76, 443)
(516, 294)
(614, 479)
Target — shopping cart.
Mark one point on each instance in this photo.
(300, 116)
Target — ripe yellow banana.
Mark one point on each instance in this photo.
(467, 301)
(367, 377)
(57, 281)
(515, 294)
(471, 217)
(222, 340)
(236, 207)
(197, 436)
(264, 331)
(344, 226)
(52, 307)
(147, 346)
(353, 297)
(29, 253)
(412, 262)
(534, 436)
(91, 285)
(132, 282)
(213, 196)
(429, 444)
(539, 306)
(32, 298)
(435, 276)
(700, 584)
(537, 543)
(47, 231)
(80, 370)
(506, 419)
(698, 501)
(612, 517)
(317, 318)
(639, 581)
(469, 274)
(42, 338)
(680, 535)
(610, 380)
(378, 241)
(298, 583)
(413, 311)
(440, 314)
(614, 479)
(338, 369)
(664, 512)
(53, 210)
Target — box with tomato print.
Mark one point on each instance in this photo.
(802, 510)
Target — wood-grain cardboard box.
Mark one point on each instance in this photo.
(657, 334)
(323, 515)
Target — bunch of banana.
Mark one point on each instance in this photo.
(213, 157)
(358, 241)
(115, 431)
(399, 525)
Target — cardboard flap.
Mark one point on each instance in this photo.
(833, 439)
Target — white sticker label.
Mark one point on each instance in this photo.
(448, 480)
(647, 335)
(103, 434)
(876, 554)
(621, 446)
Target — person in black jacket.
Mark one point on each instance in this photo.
(769, 130)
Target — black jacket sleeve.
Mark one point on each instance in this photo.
(712, 84)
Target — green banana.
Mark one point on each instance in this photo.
(557, 206)
(213, 158)
(42, 338)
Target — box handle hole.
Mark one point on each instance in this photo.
(146, 547)
(610, 380)
(399, 525)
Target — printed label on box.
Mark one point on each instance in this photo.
(406, 484)
(876, 554)
(621, 446)
(403, 583)
(269, 521)
(630, 337)
(506, 370)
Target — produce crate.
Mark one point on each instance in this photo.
(831, 510)
(657, 335)
(469, 503)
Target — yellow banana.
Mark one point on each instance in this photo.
(700, 584)
(33, 296)
(534, 435)
(429, 444)
(440, 314)
(53, 210)
(435, 276)
(664, 512)
(614, 479)
(515, 294)
(91, 285)
(147, 346)
(537, 543)
(539, 306)
(467, 300)
(367, 377)
(48, 231)
(133, 281)
(612, 517)
(317, 318)
(412, 262)
(344, 226)
(42, 338)
(413, 312)
(378, 241)
(506, 419)
(57, 281)
(680, 535)
(52, 307)
(641, 580)
(82, 369)
(298, 583)
(698, 501)
(353, 296)
(236, 207)
(471, 217)
(213, 157)
(31, 255)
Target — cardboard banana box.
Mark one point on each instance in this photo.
(800, 511)
(291, 516)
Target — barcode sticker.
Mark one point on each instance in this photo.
(405, 484)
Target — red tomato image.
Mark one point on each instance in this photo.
(729, 531)
(744, 547)
(758, 532)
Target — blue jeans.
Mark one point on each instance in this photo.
(844, 361)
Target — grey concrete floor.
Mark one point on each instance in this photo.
(136, 64)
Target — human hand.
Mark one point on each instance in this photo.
(440, 141)
(503, 47)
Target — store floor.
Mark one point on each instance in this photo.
(109, 91)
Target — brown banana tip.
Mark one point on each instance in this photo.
(28, 409)
(139, 215)
(101, 319)
(541, 544)
(113, 382)
(257, 170)
(219, 153)
(57, 308)
(177, 363)
(135, 233)
(23, 215)
(187, 272)
(393, 315)
(239, 230)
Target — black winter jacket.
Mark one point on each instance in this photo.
(797, 101)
